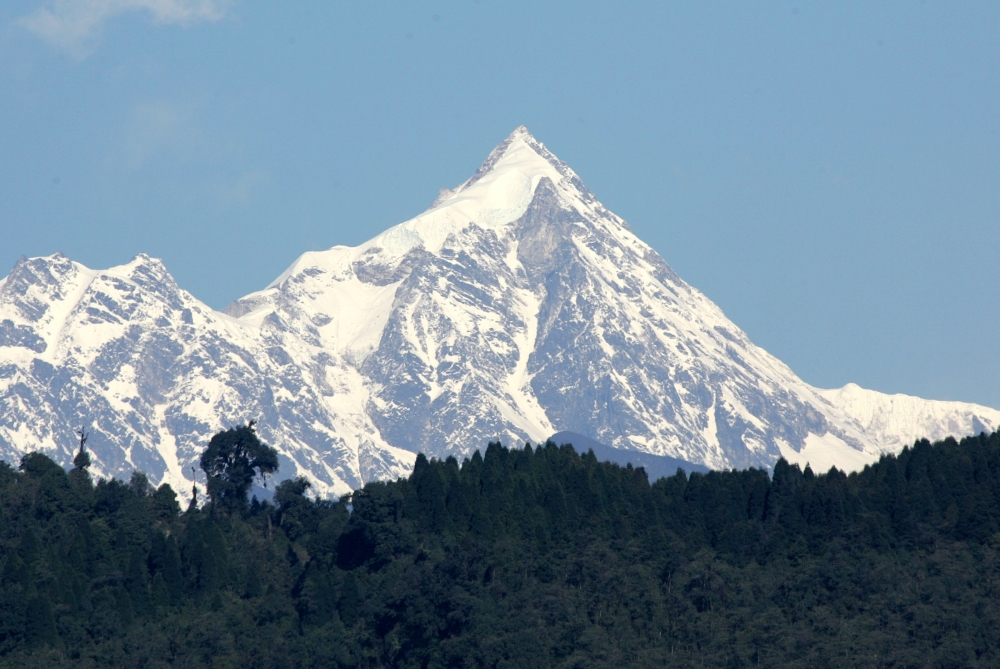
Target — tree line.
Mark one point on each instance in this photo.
(533, 557)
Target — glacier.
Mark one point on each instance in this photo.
(515, 307)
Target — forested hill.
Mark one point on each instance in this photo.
(520, 558)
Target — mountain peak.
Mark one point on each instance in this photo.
(522, 150)
(495, 196)
(521, 132)
(514, 308)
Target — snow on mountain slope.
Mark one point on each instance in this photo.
(154, 373)
(520, 306)
(515, 307)
(895, 421)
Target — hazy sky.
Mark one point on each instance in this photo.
(829, 174)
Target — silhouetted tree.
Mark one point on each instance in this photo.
(231, 461)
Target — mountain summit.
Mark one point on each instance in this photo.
(516, 307)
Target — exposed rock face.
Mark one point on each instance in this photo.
(516, 307)
(154, 373)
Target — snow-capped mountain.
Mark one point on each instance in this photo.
(515, 307)
(154, 373)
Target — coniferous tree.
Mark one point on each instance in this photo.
(163, 504)
(533, 557)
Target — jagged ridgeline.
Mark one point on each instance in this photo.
(538, 557)
(516, 307)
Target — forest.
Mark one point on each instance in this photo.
(530, 557)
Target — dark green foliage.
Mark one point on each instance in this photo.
(163, 503)
(38, 465)
(523, 558)
(39, 623)
(231, 461)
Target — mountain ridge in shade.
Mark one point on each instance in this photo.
(656, 466)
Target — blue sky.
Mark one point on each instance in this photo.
(827, 173)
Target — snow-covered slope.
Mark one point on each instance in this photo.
(518, 305)
(895, 421)
(515, 307)
(154, 373)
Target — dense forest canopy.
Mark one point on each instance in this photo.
(537, 557)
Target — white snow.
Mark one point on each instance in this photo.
(828, 450)
(895, 421)
(168, 451)
(493, 201)
(532, 417)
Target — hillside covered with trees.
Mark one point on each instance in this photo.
(538, 557)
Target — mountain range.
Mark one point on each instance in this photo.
(514, 308)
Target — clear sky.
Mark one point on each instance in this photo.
(828, 173)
